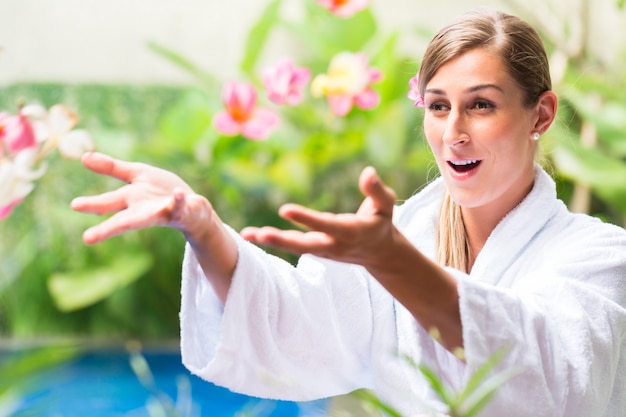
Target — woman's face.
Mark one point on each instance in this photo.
(479, 131)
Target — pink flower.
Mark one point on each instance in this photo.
(26, 139)
(17, 133)
(414, 93)
(347, 83)
(344, 8)
(285, 82)
(6, 210)
(241, 114)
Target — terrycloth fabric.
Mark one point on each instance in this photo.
(548, 284)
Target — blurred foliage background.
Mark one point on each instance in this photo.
(52, 285)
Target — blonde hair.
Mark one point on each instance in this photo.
(524, 57)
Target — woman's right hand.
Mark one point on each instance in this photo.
(151, 197)
(156, 197)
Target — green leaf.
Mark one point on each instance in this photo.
(609, 118)
(436, 384)
(247, 174)
(177, 59)
(484, 393)
(386, 137)
(481, 388)
(372, 399)
(78, 289)
(257, 37)
(481, 373)
(292, 173)
(19, 370)
(590, 167)
(386, 61)
(333, 34)
(184, 124)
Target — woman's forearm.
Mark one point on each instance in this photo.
(423, 287)
(216, 252)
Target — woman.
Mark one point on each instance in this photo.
(486, 255)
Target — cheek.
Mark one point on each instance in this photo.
(433, 133)
(430, 124)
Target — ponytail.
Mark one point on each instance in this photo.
(452, 243)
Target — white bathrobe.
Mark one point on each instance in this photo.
(549, 284)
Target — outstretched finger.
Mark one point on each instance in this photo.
(113, 226)
(311, 219)
(121, 222)
(106, 165)
(293, 241)
(102, 203)
(383, 198)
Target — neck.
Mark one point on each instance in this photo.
(481, 221)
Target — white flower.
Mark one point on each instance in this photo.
(17, 176)
(75, 143)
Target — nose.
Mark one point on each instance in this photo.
(455, 132)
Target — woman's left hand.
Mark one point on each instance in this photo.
(360, 237)
(369, 238)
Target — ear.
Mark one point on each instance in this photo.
(545, 112)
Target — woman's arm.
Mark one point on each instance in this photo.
(156, 197)
(369, 238)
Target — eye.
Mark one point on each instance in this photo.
(437, 107)
(483, 105)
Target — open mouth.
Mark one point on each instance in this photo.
(466, 165)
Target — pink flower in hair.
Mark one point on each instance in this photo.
(414, 93)
(242, 115)
(344, 8)
(285, 82)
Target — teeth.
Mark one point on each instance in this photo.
(465, 162)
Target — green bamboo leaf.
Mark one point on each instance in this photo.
(370, 398)
(78, 289)
(257, 37)
(478, 377)
(433, 379)
(479, 399)
(141, 368)
(437, 384)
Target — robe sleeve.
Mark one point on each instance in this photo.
(564, 325)
(285, 332)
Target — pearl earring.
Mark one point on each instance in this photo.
(535, 136)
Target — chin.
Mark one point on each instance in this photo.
(467, 198)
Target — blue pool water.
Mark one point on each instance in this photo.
(103, 384)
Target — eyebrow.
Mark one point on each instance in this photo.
(470, 90)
